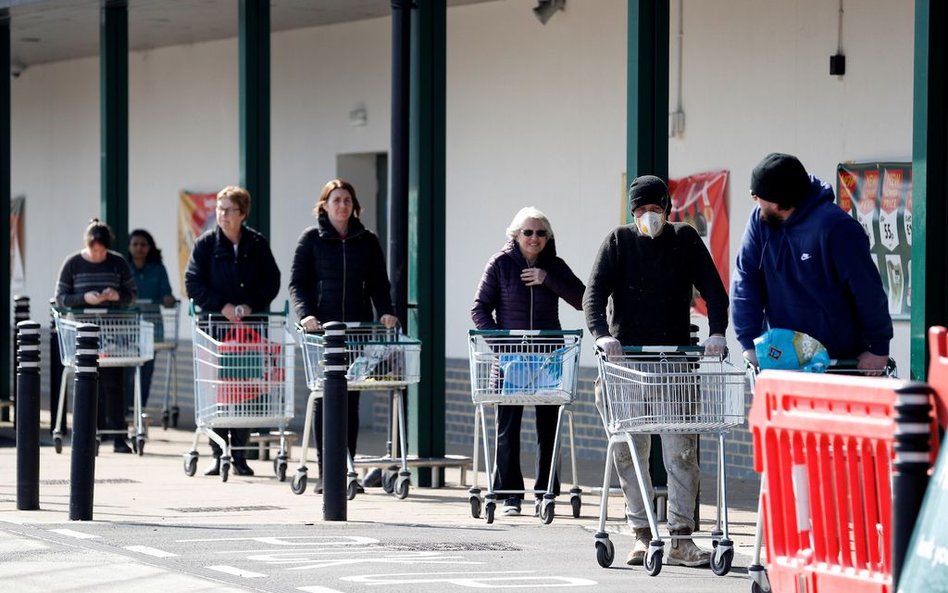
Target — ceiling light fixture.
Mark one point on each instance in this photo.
(545, 9)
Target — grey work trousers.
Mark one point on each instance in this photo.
(680, 454)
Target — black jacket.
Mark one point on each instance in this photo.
(503, 301)
(649, 282)
(336, 279)
(215, 276)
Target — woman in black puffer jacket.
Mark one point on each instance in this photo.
(339, 274)
(521, 289)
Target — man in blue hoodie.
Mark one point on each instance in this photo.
(804, 264)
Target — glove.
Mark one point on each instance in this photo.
(750, 357)
(610, 346)
(715, 346)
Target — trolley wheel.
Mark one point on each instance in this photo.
(352, 488)
(190, 465)
(605, 552)
(225, 470)
(547, 511)
(475, 507)
(279, 466)
(58, 444)
(489, 512)
(175, 412)
(298, 484)
(401, 488)
(139, 444)
(577, 503)
(165, 420)
(755, 588)
(653, 562)
(721, 562)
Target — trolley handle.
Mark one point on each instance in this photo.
(365, 325)
(194, 311)
(838, 364)
(524, 332)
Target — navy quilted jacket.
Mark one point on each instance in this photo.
(503, 301)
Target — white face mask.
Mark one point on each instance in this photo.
(650, 223)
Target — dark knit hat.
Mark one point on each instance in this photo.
(648, 189)
(780, 178)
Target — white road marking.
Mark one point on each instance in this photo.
(75, 534)
(505, 579)
(317, 589)
(237, 572)
(150, 551)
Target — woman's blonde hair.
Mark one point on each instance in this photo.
(237, 195)
(521, 217)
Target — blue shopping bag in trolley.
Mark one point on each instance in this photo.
(528, 373)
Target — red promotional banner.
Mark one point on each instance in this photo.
(701, 201)
(196, 214)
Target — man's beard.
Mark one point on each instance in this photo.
(772, 220)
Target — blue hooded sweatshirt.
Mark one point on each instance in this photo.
(813, 274)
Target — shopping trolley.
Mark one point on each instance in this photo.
(760, 582)
(668, 390)
(166, 340)
(380, 359)
(243, 378)
(523, 367)
(125, 340)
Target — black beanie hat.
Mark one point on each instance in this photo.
(648, 189)
(780, 178)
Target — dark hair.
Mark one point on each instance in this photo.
(99, 232)
(154, 254)
(334, 184)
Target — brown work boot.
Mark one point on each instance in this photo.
(643, 537)
(684, 552)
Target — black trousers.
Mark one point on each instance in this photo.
(238, 438)
(352, 426)
(111, 397)
(508, 475)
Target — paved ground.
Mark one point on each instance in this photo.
(156, 529)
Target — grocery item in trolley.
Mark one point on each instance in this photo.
(785, 349)
(126, 339)
(668, 390)
(522, 367)
(243, 378)
(381, 359)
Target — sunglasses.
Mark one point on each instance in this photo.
(529, 232)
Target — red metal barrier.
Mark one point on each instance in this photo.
(827, 451)
(938, 370)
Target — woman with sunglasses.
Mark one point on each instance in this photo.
(521, 289)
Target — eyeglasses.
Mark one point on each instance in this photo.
(228, 211)
(529, 233)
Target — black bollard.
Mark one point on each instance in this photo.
(910, 469)
(27, 416)
(84, 422)
(335, 422)
(55, 374)
(21, 312)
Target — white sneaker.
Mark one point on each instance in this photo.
(512, 507)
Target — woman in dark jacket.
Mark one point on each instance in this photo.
(232, 272)
(339, 274)
(521, 289)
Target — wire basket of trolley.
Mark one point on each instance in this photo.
(166, 321)
(125, 340)
(668, 390)
(380, 359)
(785, 349)
(243, 378)
(517, 368)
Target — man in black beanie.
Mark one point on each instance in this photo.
(647, 271)
(805, 265)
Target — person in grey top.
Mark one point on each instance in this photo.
(99, 277)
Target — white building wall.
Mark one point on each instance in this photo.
(535, 116)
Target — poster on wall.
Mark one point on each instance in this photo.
(879, 196)
(701, 201)
(17, 244)
(196, 214)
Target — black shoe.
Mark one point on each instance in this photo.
(241, 468)
(214, 469)
(359, 488)
(373, 479)
(121, 446)
(318, 486)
